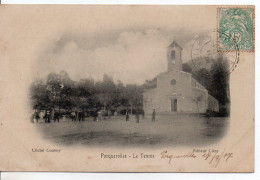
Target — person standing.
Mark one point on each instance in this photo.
(56, 116)
(99, 114)
(48, 118)
(41, 114)
(45, 116)
(153, 116)
(127, 116)
(37, 117)
(79, 115)
(109, 114)
(208, 115)
(137, 117)
(76, 115)
(95, 116)
(82, 116)
(73, 116)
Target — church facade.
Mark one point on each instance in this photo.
(176, 91)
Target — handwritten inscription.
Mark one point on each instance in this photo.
(165, 154)
(215, 158)
(212, 156)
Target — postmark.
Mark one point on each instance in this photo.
(237, 29)
(204, 52)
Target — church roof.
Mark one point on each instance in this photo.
(174, 43)
(166, 72)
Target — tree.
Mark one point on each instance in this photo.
(119, 99)
(216, 81)
(220, 85)
(68, 95)
(220, 81)
(197, 98)
(203, 76)
(62, 90)
(134, 96)
(53, 82)
(86, 94)
(106, 91)
(86, 87)
(54, 87)
(186, 68)
(85, 90)
(40, 95)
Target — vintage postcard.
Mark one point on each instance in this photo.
(127, 88)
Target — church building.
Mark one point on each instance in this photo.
(176, 91)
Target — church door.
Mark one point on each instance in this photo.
(174, 105)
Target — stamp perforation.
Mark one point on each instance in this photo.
(253, 28)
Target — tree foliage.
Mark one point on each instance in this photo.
(216, 81)
(59, 91)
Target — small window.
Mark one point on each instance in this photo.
(173, 54)
(173, 82)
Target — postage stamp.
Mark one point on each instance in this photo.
(237, 29)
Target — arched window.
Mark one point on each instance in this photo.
(173, 54)
(173, 82)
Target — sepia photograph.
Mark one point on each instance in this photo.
(149, 91)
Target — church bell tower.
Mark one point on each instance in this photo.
(174, 56)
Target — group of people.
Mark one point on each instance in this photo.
(80, 116)
(43, 115)
(137, 115)
(48, 115)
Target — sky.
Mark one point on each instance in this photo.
(128, 55)
(128, 43)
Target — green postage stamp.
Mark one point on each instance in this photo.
(236, 29)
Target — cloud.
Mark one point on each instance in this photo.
(131, 57)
